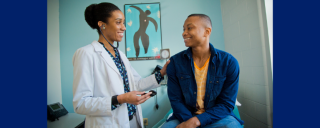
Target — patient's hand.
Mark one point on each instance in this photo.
(163, 71)
(191, 123)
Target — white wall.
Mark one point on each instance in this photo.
(53, 55)
(246, 38)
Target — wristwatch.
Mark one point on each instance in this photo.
(114, 101)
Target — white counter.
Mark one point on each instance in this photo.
(70, 120)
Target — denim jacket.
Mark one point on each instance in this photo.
(221, 87)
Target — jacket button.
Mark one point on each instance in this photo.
(217, 81)
(207, 95)
(181, 77)
(212, 67)
(210, 81)
(195, 92)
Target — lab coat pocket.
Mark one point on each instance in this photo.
(101, 120)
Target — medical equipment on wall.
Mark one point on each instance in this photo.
(157, 68)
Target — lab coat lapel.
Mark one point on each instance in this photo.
(104, 54)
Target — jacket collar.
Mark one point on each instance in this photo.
(97, 46)
(213, 51)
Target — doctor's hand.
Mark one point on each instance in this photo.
(163, 71)
(132, 98)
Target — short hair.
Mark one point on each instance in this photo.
(203, 17)
(99, 12)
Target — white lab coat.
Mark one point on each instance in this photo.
(96, 80)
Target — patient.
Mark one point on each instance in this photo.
(202, 81)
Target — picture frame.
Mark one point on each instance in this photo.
(143, 36)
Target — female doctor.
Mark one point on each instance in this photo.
(105, 86)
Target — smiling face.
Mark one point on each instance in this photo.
(194, 32)
(115, 28)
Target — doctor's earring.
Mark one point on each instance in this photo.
(103, 27)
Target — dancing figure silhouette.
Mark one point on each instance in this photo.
(144, 22)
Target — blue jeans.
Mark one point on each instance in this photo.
(228, 122)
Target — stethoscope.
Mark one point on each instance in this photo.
(116, 48)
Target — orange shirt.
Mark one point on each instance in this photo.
(201, 78)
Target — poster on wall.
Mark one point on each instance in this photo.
(143, 31)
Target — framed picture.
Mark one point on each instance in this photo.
(143, 31)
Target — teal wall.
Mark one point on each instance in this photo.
(75, 33)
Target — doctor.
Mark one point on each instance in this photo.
(105, 86)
